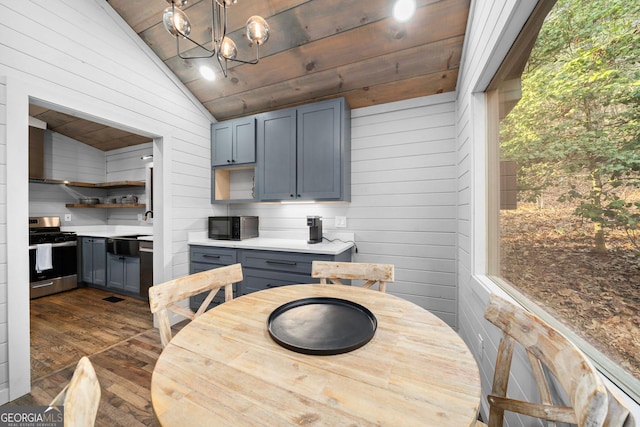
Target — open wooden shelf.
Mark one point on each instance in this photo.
(114, 184)
(238, 178)
(106, 205)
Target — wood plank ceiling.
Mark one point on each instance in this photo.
(316, 50)
(100, 136)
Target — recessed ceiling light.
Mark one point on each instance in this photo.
(403, 10)
(207, 72)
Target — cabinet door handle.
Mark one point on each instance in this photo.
(290, 195)
(281, 262)
(42, 285)
(211, 256)
(270, 285)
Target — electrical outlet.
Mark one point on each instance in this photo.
(480, 346)
(341, 221)
(67, 217)
(139, 217)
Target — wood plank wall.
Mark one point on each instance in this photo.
(72, 160)
(125, 164)
(491, 30)
(4, 330)
(66, 158)
(403, 207)
(103, 70)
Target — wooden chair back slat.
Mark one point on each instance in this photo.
(81, 397)
(543, 385)
(544, 345)
(618, 415)
(163, 297)
(371, 273)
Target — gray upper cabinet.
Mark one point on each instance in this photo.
(277, 161)
(321, 152)
(233, 142)
(304, 153)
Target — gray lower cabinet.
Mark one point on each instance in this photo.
(204, 258)
(94, 260)
(123, 273)
(268, 269)
(261, 269)
(259, 280)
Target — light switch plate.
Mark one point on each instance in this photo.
(341, 221)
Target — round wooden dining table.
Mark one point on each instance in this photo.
(225, 369)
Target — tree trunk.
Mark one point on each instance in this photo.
(598, 226)
(601, 245)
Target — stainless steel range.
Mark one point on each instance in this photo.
(53, 264)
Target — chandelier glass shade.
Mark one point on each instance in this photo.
(257, 30)
(177, 23)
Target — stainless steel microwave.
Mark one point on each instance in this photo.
(233, 227)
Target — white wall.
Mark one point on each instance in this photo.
(492, 28)
(80, 58)
(50, 200)
(4, 327)
(68, 159)
(403, 199)
(125, 164)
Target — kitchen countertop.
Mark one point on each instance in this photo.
(111, 231)
(274, 244)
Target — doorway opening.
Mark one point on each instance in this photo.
(66, 156)
(17, 271)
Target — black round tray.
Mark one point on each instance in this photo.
(322, 325)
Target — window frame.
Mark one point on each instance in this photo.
(511, 68)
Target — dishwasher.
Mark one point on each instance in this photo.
(146, 267)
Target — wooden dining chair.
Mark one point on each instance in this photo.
(163, 297)
(80, 397)
(370, 273)
(546, 347)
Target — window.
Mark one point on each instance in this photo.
(565, 191)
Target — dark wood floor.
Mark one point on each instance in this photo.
(118, 338)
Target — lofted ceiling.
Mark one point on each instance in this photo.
(316, 50)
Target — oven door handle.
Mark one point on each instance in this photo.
(57, 245)
(42, 285)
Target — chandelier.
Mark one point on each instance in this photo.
(222, 47)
